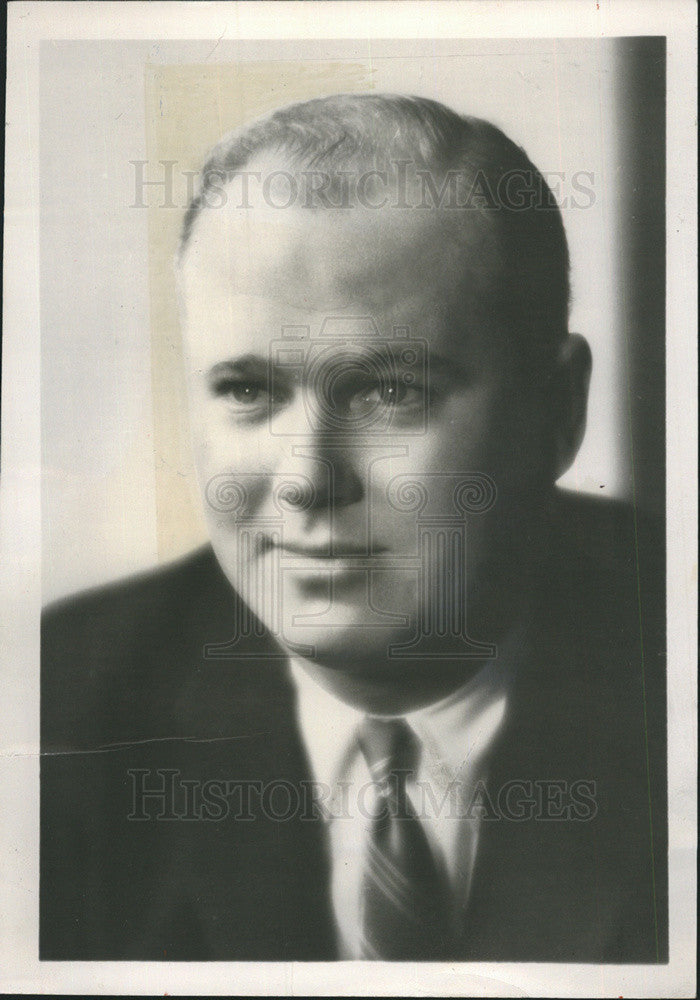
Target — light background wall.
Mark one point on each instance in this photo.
(119, 492)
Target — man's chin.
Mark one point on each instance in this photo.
(364, 651)
(350, 648)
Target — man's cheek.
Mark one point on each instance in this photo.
(234, 498)
(221, 445)
(233, 481)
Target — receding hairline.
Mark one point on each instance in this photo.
(365, 131)
(361, 131)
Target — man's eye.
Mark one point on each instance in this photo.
(389, 395)
(245, 392)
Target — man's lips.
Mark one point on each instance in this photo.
(343, 565)
(331, 551)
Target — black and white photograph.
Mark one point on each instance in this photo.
(349, 507)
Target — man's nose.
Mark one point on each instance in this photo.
(326, 462)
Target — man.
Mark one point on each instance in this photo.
(410, 703)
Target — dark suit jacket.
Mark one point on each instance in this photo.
(130, 702)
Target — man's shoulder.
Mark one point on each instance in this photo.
(152, 591)
(606, 530)
(598, 636)
(604, 557)
(115, 658)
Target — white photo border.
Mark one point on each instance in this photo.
(20, 503)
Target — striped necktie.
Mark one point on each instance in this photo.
(405, 900)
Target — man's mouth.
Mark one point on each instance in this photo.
(331, 551)
(340, 560)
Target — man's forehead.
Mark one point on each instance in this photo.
(331, 257)
(252, 321)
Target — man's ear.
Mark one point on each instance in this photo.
(572, 376)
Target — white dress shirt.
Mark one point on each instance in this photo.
(456, 736)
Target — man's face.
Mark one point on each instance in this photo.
(348, 376)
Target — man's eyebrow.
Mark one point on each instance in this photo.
(260, 365)
(396, 358)
(247, 364)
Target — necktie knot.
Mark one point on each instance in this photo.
(389, 746)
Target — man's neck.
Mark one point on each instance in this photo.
(382, 686)
(394, 689)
